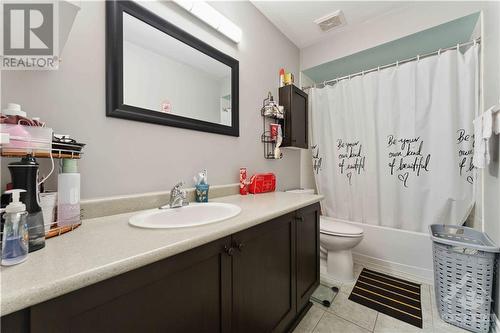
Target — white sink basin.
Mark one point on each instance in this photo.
(195, 214)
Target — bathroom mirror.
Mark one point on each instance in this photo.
(158, 73)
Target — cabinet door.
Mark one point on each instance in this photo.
(296, 120)
(299, 118)
(264, 277)
(307, 253)
(190, 292)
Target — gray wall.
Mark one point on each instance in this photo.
(124, 157)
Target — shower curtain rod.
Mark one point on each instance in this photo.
(397, 63)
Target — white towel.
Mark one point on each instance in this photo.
(496, 121)
(479, 156)
(487, 123)
(484, 126)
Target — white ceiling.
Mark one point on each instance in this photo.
(295, 18)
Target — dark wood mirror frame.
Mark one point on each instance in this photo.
(114, 71)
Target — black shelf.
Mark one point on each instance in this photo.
(269, 146)
(265, 138)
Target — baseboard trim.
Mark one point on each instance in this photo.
(417, 274)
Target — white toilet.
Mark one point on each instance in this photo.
(337, 238)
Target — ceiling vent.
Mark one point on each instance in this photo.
(331, 21)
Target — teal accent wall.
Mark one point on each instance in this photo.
(441, 36)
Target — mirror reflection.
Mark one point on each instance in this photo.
(161, 73)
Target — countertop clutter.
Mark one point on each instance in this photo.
(108, 246)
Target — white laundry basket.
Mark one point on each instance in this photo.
(464, 266)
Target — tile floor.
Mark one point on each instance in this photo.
(345, 316)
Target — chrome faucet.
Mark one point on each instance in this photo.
(178, 197)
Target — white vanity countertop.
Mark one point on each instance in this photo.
(108, 246)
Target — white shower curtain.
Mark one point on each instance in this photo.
(394, 147)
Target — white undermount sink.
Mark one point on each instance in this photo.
(195, 214)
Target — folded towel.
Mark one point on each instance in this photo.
(496, 121)
(487, 123)
(484, 126)
(479, 158)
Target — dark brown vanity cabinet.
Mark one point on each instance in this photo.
(307, 253)
(257, 280)
(264, 277)
(295, 102)
(190, 292)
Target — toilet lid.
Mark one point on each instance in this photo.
(333, 227)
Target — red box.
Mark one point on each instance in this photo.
(262, 183)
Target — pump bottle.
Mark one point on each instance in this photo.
(15, 231)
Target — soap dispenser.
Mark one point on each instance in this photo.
(15, 231)
(25, 176)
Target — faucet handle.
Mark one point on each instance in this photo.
(178, 196)
(185, 202)
(177, 188)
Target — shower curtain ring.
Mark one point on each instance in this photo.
(397, 64)
(475, 40)
(458, 46)
(439, 52)
(418, 57)
(362, 73)
(378, 69)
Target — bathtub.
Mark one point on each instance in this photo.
(400, 252)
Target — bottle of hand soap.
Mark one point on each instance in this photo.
(15, 231)
(68, 194)
(25, 176)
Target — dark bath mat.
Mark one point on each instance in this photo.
(392, 296)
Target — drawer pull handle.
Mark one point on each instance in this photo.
(239, 246)
(229, 250)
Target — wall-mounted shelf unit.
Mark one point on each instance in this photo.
(267, 119)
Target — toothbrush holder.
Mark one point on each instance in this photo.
(201, 192)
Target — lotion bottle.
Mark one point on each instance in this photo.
(68, 194)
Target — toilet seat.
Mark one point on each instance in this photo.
(337, 228)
